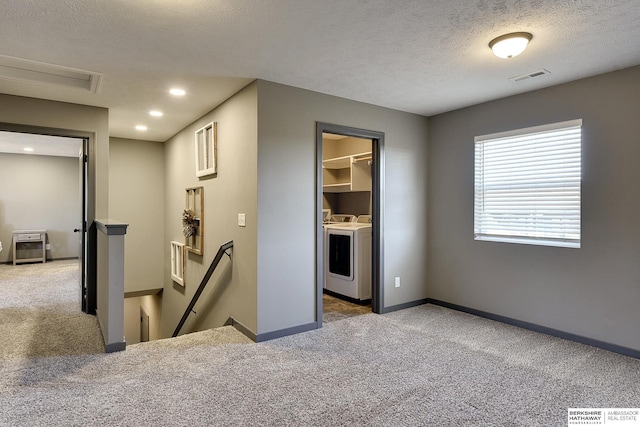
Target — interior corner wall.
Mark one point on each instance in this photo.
(231, 292)
(287, 119)
(40, 192)
(136, 197)
(593, 291)
(151, 304)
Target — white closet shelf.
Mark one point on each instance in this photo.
(337, 188)
(345, 161)
(350, 173)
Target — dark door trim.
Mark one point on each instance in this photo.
(377, 194)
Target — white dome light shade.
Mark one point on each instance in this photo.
(510, 45)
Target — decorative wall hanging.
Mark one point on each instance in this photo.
(177, 262)
(207, 150)
(193, 220)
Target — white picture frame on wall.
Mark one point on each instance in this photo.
(177, 262)
(206, 145)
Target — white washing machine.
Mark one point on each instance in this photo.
(347, 258)
(336, 220)
(339, 218)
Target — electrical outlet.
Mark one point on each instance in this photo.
(242, 220)
(397, 282)
(47, 246)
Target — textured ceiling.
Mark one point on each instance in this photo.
(419, 56)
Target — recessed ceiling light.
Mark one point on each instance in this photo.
(177, 92)
(141, 127)
(510, 45)
(155, 113)
(28, 149)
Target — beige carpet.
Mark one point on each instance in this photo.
(424, 366)
(40, 312)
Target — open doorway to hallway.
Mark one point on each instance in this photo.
(349, 190)
(42, 194)
(42, 188)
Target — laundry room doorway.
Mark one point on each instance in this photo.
(349, 199)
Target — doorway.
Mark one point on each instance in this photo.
(60, 164)
(345, 181)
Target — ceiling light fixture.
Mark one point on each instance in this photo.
(510, 45)
(155, 113)
(177, 92)
(28, 149)
(141, 127)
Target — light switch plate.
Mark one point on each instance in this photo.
(242, 220)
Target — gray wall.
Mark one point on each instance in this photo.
(593, 291)
(70, 118)
(287, 119)
(40, 192)
(152, 305)
(232, 290)
(136, 197)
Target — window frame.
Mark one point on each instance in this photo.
(536, 234)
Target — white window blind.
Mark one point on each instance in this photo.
(527, 185)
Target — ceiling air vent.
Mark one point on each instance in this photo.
(529, 76)
(25, 70)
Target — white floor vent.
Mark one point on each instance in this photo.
(28, 71)
(529, 76)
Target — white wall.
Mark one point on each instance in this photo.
(287, 119)
(593, 291)
(40, 192)
(136, 197)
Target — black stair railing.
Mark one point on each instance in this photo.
(222, 251)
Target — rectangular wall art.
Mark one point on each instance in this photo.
(207, 150)
(193, 220)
